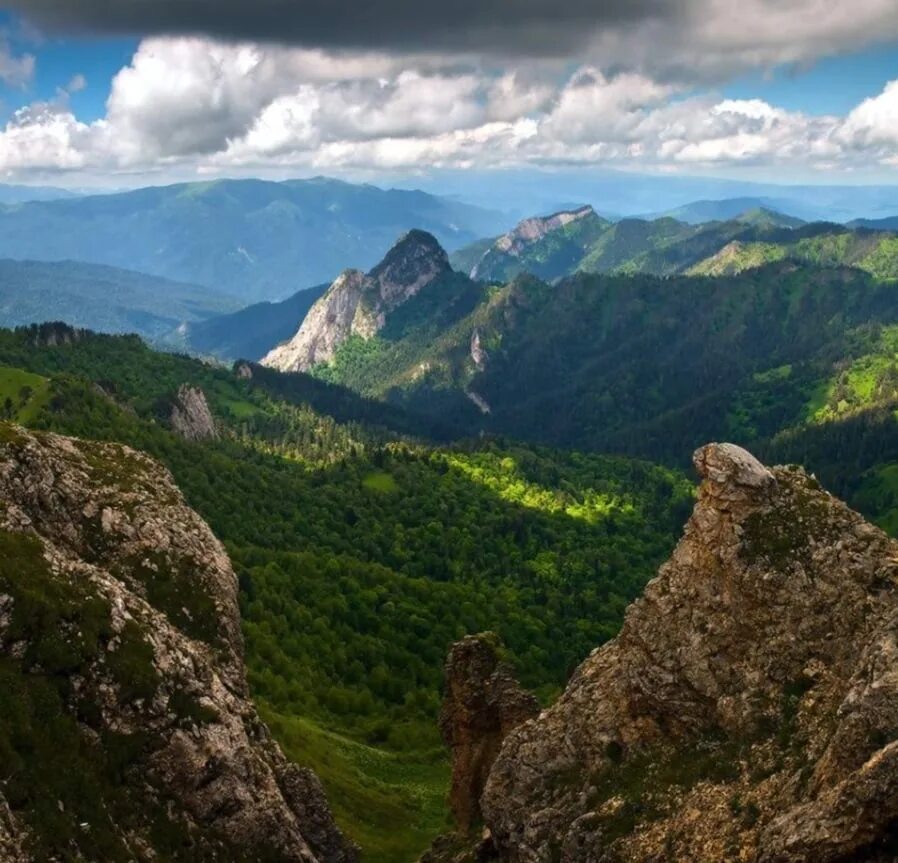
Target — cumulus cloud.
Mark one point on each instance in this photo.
(874, 124)
(201, 105)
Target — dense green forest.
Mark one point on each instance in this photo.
(640, 365)
(363, 552)
(667, 246)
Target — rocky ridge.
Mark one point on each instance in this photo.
(530, 231)
(358, 303)
(126, 731)
(747, 711)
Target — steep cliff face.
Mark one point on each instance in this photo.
(190, 415)
(748, 710)
(358, 304)
(126, 732)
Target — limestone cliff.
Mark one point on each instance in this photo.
(747, 711)
(191, 416)
(358, 304)
(126, 732)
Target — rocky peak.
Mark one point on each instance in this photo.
(535, 228)
(119, 627)
(358, 303)
(414, 262)
(482, 704)
(746, 711)
(191, 417)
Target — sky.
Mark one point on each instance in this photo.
(114, 94)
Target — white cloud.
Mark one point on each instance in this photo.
(195, 105)
(874, 124)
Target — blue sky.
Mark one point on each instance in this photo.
(832, 85)
(748, 89)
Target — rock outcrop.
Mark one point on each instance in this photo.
(358, 304)
(528, 232)
(482, 704)
(191, 417)
(126, 731)
(748, 709)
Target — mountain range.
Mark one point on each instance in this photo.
(647, 363)
(251, 239)
(224, 635)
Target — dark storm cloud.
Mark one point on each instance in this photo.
(521, 27)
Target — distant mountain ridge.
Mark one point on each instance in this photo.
(20, 194)
(540, 245)
(253, 239)
(106, 299)
(581, 241)
(251, 332)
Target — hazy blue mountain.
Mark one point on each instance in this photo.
(101, 298)
(252, 332)
(253, 239)
(888, 224)
(531, 190)
(738, 209)
(13, 194)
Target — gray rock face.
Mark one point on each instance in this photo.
(358, 304)
(748, 710)
(160, 661)
(191, 417)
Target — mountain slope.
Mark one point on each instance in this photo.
(825, 245)
(251, 332)
(17, 194)
(888, 224)
(101, 298)
(249, 238)
(727, 209)
(125, 725)
(634, 363)
(748, 705)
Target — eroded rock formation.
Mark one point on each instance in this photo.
(748, 710)
(482, 704)
(127, 732)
